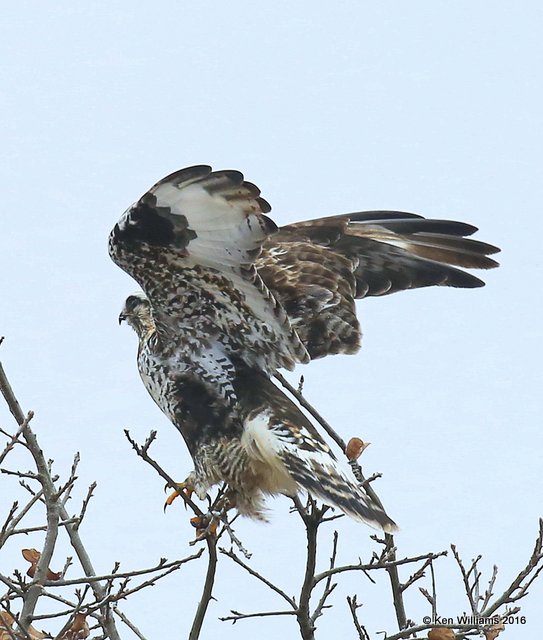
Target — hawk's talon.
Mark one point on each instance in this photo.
(182, 488)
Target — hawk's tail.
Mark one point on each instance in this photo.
(329, 483)
(288, 452)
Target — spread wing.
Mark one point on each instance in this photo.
(317, 268)
(191, 243)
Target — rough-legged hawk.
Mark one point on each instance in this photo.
(230, 298)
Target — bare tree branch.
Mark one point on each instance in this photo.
(360, 629)
(237, 615)
(310, 409)
(371, 566)
(207, 590)
(519, 587)
(96, 596)
(258, 576)
(329, 585)
(161, 566)
(55, 511)
(311, 518)
(143, 453)
(128, 623)
(391, 548)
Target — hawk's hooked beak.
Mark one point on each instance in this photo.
(122, 318)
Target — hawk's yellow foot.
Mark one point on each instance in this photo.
(205, 525)
(181, 488)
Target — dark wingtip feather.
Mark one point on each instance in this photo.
(187, 174)
(463, 280)
(232, 174)
(265, 207)
(377, 215)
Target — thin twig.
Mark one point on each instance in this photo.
(128, 623)
(36, 497)
(360, 629)
(465, 577)
(489, 590)
(85, 505)
(143, 453)
(71, 618)
(13, 440)
(377, 565)
(258, 576)
(227, 526)
(236, 615)
(9, 518)
(43, 527)
(417, 575)
(161, 566)
(523, 580)
(329, 586)
(310, 409)
(434, 590)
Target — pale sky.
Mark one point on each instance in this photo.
(429, 106)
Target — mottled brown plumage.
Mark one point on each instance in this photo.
(317, 268)
(230, 299)
(252, 437)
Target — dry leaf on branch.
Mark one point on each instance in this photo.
(494, 631)
(441, 633)
(33, 556)
(354, 448)
(6, 625)
(79, 628)
(34, 634)
(6, 628)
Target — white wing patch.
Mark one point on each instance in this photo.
(226, 230)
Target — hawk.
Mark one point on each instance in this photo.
(229, 298)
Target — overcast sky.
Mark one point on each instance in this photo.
(427, 106)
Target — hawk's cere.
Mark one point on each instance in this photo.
(229, 299)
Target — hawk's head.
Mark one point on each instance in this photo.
(137, 313)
